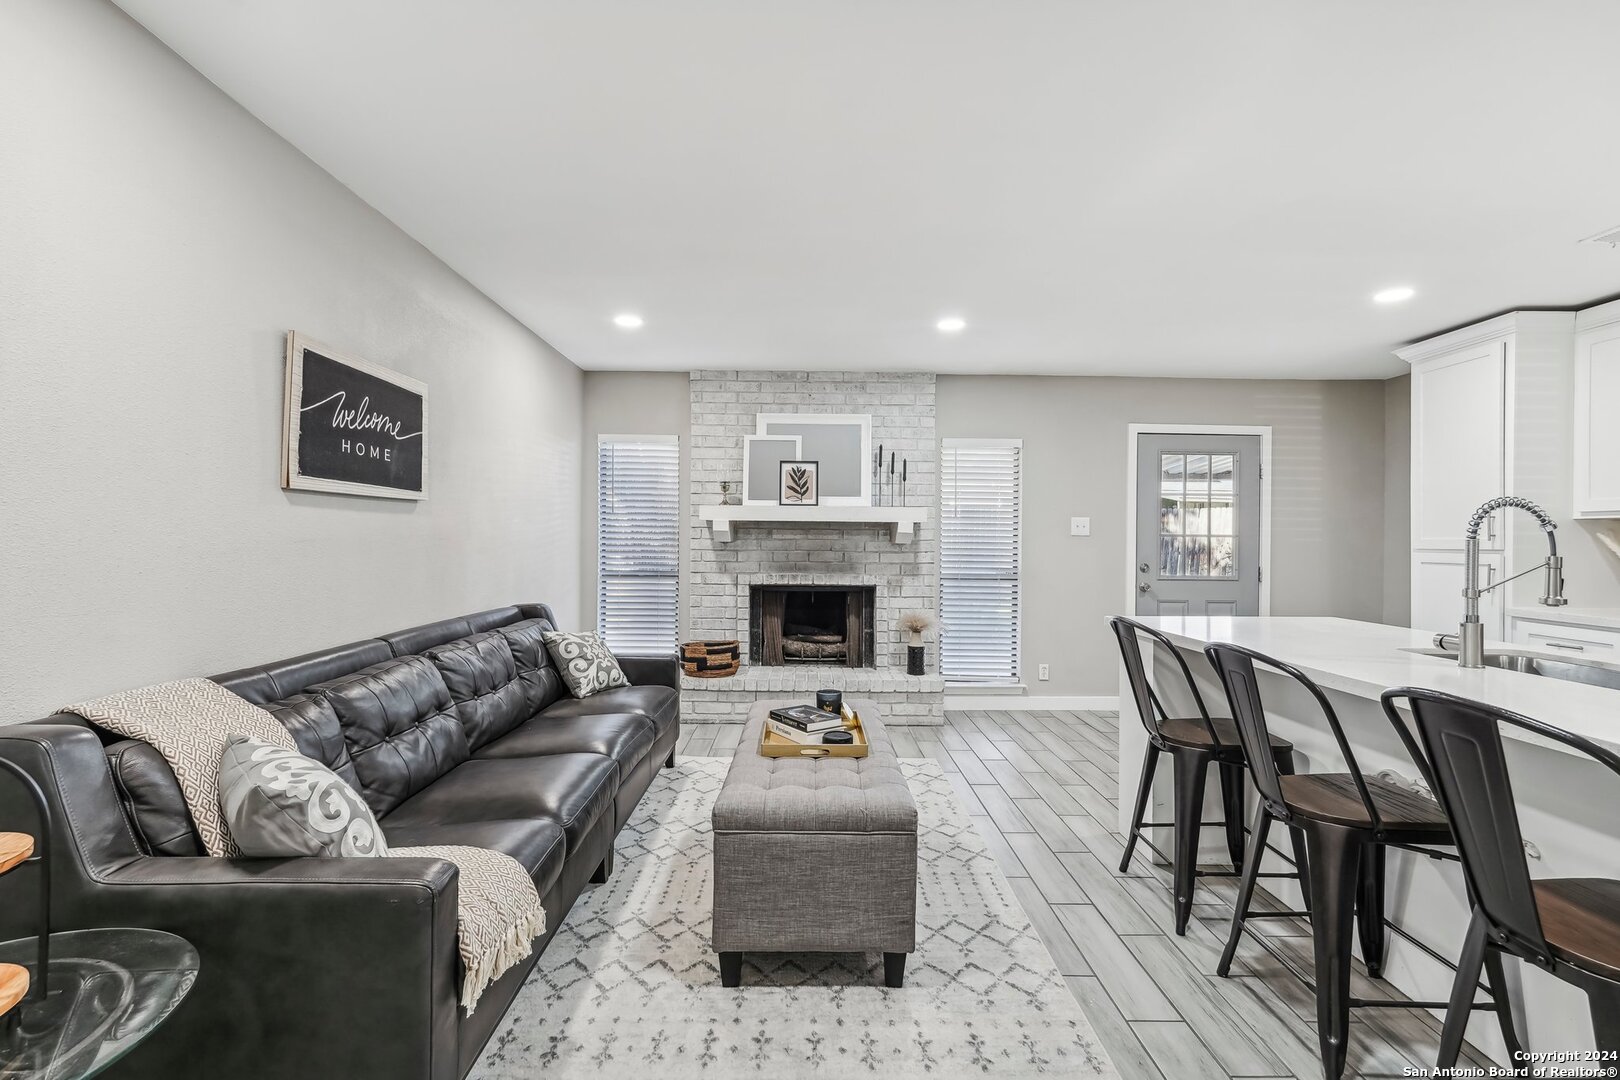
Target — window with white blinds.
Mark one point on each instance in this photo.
(638, 550)
(980, 530)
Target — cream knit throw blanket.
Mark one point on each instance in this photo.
(499, 913)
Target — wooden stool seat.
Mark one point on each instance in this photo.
(15, 848)
(1580, 918)
(13, 986)
(1193, 732)
(1333, 798)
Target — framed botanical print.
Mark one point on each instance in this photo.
(798, 484)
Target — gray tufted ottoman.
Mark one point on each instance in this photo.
(815, 854)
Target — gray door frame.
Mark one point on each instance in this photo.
(1133, 431)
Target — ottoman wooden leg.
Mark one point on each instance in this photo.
(731, 969)
(894, 970)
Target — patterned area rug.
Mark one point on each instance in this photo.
(630, 988)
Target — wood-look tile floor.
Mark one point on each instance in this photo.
(1042, 788)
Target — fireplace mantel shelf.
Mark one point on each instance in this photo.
(903, 520)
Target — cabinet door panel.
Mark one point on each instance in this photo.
(1437, 600)
(1457, 445)
(1597, 435)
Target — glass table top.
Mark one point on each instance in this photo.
(106, 991)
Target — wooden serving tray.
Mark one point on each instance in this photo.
(773, 745)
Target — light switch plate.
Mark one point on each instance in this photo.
(1079, 526)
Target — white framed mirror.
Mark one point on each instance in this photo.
(842, 445)
(762, 459)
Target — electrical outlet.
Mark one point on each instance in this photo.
(1079, 526)
(1046, 672)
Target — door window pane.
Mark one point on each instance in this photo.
(1197, 519)
(1172, 473)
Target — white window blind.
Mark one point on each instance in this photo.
(638, 553)
(979, 540)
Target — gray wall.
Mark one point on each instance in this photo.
(1328, 514)
(1398, 501)
(632, 403)
(158, 243)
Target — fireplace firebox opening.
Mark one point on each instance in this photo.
(812, 624)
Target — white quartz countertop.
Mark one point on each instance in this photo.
(1364, 659)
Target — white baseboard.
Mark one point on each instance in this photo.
(1020, 703)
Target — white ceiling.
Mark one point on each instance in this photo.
(1169, 187)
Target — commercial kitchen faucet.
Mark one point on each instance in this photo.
(1471, 635)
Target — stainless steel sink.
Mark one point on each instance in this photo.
(1581, 671)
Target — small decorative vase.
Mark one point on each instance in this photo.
(914, 660)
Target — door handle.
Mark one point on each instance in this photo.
(1142, 587)
(1143, 567)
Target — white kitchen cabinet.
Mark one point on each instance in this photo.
(1458, 426)
(1437, 585)
(1583, 641)
(1487, 408)
(1596, 423)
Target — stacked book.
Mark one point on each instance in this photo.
(803, 724)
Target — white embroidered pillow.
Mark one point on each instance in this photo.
(587, 665)
(279, 804)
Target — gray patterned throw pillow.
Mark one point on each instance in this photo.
(587, 665)
(279, 804)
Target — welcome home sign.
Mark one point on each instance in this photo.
(352, 426)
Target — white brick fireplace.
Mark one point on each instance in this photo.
(904, 575)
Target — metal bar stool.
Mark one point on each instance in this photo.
(1348, 822)
(1193, 745)
(1568, 927)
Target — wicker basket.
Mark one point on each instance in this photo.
(711, 659)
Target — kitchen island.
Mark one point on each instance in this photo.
(1569, 806)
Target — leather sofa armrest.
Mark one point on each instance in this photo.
(652, 670)
(350, 964)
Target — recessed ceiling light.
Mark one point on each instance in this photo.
(627, 321)
(951, 324)
(1394, 295)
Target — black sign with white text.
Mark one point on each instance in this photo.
(355, 427)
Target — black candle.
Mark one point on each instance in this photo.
(903, 465)
(891, 462)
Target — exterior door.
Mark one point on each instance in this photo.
(1198, 524)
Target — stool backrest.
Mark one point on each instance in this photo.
(1459, 748)
(1130, 634)
(1235, 664)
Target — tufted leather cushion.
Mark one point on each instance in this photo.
(573, 790)
(625, 738)
(152, 800)
(660, 704)
(401, 728)
(537, 844)
(542, 684)
(482, 676)
(313, 724)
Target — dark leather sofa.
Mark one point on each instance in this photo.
(459, 732)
